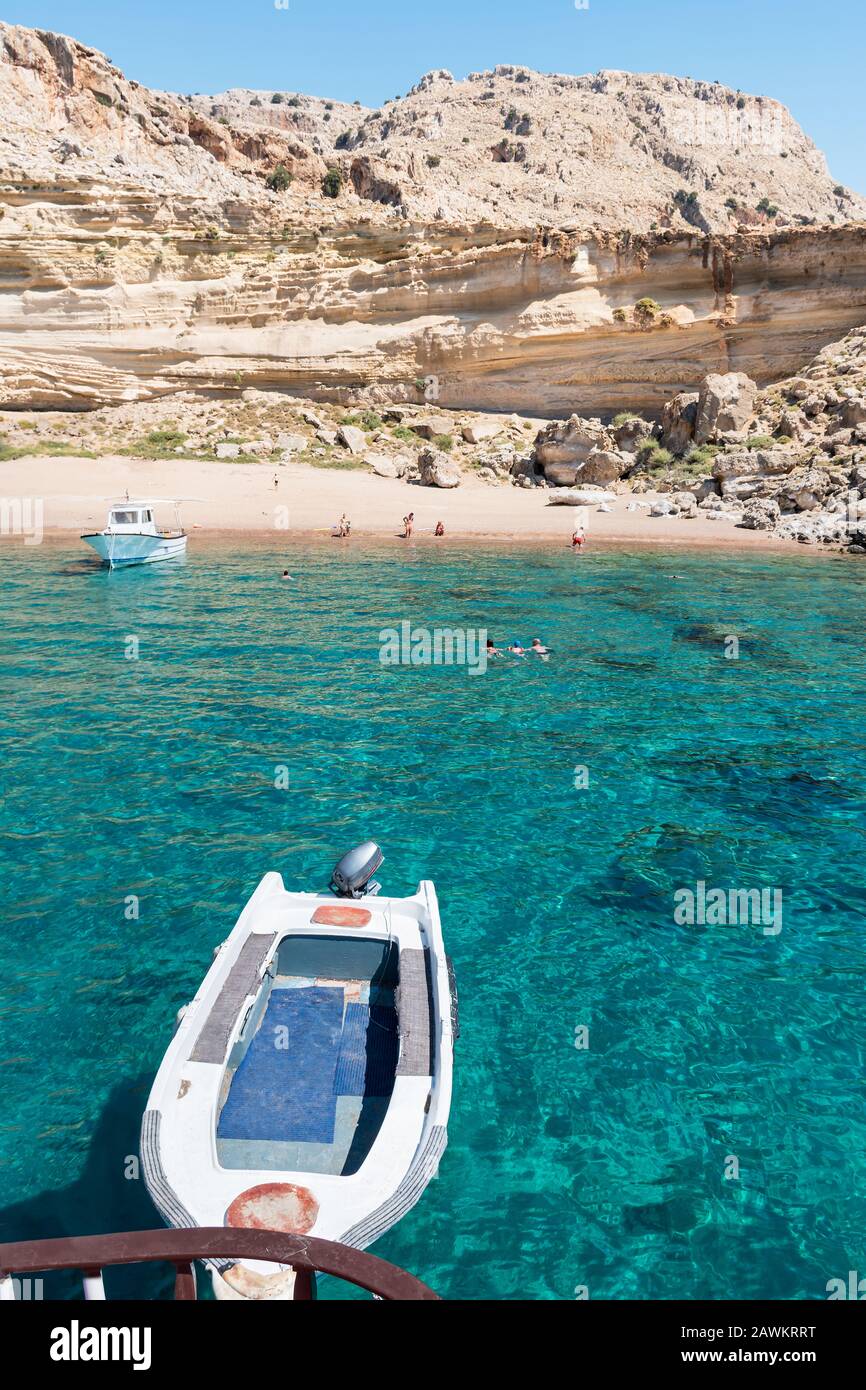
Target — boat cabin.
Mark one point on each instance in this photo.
(132, 518)
(137, 519)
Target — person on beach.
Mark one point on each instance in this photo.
(408, 523)
(440, 529)
(578, 539)
(276, 481)
(345, 525)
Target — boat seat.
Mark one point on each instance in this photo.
(213, 1040)
(414, 1000)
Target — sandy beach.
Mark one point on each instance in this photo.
(227, 497)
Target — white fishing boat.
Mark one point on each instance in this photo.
(132, 537)
(308, 1085)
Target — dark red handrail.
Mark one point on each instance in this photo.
(306, 1255)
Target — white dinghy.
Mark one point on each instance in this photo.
(308, 1085)
(131, 535)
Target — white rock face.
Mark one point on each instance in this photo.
(227, 451)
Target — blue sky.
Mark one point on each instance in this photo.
(808, 55)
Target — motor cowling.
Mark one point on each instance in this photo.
(353, 874)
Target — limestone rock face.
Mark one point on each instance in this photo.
(437, 469)
(725, 405)
(155, 244)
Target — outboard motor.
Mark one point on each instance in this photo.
(352, 876)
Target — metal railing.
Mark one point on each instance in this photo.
(306, 1255)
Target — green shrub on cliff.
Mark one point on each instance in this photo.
(279, 180)
(332, 183)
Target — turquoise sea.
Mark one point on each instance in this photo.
(601, 1166)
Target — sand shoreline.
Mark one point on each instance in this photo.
(238, 501)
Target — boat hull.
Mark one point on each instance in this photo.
(121, 551)
(308, 1085)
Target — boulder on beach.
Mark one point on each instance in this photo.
(352, 439)
(761, 514)
(436, 469)
(431, 426)
(678, 421)
(291, 443)
(384, 467)
(570, 441)
(600, 466)
(477, 431)
(726, 403)
(579, 497)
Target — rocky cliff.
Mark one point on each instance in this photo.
(515, 241)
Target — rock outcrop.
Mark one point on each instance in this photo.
(153, 244)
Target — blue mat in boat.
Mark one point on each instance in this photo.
(287, 1092)
(368, 1052)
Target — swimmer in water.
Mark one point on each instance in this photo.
(285, 575)
(517, 649)
(491, 649)
(538, 648)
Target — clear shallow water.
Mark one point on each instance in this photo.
(601, 1167)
